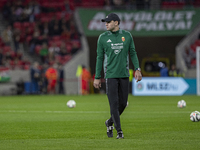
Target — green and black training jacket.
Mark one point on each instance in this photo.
(114, 48)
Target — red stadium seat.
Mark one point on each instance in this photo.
(7, 49)
(17, 25)
(197, 42)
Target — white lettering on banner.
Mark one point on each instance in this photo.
(161, 16)
(162, 26)
(163, 86)
(160, 86)
(170, 25)
(96, 25)
(149, 16)
(180, 25)
(159, 21)
(99, 16)
(189, 15)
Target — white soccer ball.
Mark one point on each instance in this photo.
(194, 116)
(71, 104)
(198, 115)
(181, 104)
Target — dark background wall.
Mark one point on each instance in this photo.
(145, 46)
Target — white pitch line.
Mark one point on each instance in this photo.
(90, 112)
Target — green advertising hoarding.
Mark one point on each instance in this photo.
(143, 23)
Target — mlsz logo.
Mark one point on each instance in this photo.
(139, 86)
(109, 41)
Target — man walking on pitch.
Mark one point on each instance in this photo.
(114, 47)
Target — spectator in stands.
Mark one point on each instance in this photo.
(54, 48)
(16, 38)
(52, 75)
(35, 76)
(67, 7)
(28, 11)
(174, 72)
(36, 8)
(188, 56)
(118, 4)
(107, 5)
(60, 79)
(164, 71)
(45, 29)
(75, 34)
(64, 23)
(51, 23)
(7, 35)
(17, 64)
(33, 42)
(18, 11)
(75, 47)
(18, 55)
(24, 17)
(56, 30)
(65, 35)
(26, 63)
(51, 58)
(44, 39)
(43, 52)
(8, 56)
(44, 81)
(7, 10)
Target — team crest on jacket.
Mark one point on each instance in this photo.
(123, 38)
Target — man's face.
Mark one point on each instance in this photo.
(111, 26)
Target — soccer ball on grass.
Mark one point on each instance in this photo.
(195, 116)
(71, 104)
(181, 104)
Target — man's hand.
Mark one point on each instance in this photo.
(138, 75)
(97, 83)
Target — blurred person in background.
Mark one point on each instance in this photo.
(52, 75)
(188, 56)
(7, 35)
(43, 53)
(44, 81)
(86, 78)
(174, 72)
(164, 71)
(35, 77)
(61, 76)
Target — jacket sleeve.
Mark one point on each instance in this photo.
(99, 59)
(133, 53)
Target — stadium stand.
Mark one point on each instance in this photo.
(35, 22)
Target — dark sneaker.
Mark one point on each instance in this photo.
(120, 135)
(109, 129)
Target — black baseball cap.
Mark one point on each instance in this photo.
(110, 17)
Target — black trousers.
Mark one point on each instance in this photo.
(117, 90)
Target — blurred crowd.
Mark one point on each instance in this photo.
(49, 33)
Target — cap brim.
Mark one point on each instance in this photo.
(105, 20)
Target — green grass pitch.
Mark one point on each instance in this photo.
(44, 122)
